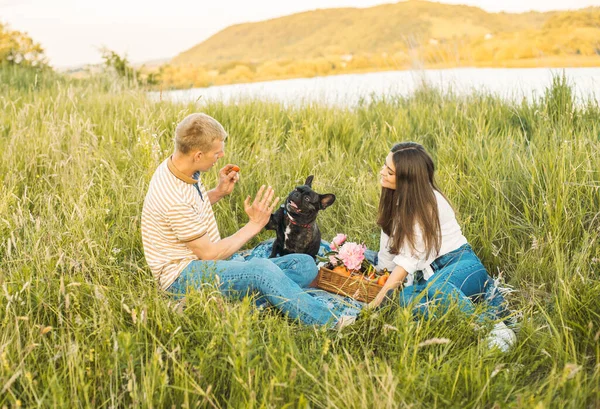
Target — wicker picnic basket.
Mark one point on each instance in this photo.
(361, 289)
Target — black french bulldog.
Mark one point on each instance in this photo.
(295, 221)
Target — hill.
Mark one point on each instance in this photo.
(389, 36)
(353, 30)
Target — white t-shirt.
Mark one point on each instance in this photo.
(452, 238)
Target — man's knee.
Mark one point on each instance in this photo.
(264, 268)
(307, 265)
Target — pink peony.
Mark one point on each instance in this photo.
(334, 260)
(338, 241)
(352, 255)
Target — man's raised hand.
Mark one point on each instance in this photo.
(228, 177)
(259, 211)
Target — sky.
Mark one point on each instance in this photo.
(72, 31)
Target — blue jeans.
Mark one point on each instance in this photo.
(282, 281)
(459, 276)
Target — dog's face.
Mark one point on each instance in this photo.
(306, 203)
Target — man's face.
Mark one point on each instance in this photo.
(206, 160)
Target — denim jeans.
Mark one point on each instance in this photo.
(458, 276)
(337, 304)
(282, 281)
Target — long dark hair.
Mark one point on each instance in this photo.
(413, 203)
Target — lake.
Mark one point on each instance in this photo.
(349, 89)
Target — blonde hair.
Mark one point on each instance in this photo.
(198, 132)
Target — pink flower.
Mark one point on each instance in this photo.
(338, 241)
(352, 255)
(334, 260)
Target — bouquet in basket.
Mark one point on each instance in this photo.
(348, 259)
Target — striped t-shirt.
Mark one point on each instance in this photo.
(176, 210)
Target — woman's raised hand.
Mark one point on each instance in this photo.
(259, 211)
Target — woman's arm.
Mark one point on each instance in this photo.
(396, 278)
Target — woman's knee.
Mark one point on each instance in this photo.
(416, 300)
(448, 294)
(469, 276)
(407, 296)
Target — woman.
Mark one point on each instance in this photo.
(423, 246)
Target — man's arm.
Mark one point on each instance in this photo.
(214, 196)
(259, 213)
(204, 249)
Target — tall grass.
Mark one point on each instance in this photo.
(83, 324)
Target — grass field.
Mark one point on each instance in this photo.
(84, 325)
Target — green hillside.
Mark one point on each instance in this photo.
(353, 31)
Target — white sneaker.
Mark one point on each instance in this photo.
(501, 337)
(344, 321)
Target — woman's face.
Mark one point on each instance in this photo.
(387, 174)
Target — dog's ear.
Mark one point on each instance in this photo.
(326, 200)
(309, 181)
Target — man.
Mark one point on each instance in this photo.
(181, 238)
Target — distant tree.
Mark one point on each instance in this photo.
(184, 76)
(18, 48)
(589, 17)
(240, 73)
(121, 66)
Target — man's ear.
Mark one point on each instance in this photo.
(198, 156)
(326, 200)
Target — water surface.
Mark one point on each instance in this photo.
(349, 89)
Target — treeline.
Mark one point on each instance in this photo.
(17, 48)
